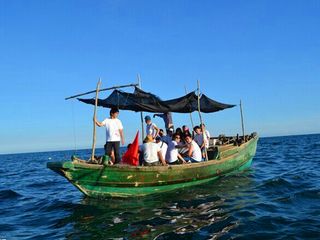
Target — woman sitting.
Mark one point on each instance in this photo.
(172, 156)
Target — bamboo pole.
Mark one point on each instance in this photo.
(104, 89)
(202, 128)
(94, 120)
(141, 113)
(185, 89)
(242, 124)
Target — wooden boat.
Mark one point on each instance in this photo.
(100, 181)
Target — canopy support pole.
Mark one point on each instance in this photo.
(242, 123)
(104, 89)
(185, 89)
(94, 120)
(141, 113)
(202, 128)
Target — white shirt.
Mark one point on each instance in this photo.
(172, 152)
(150, 129)
(113, 125)
(163, 147)
(196, 153)
(150, 152)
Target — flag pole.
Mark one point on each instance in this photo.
(94, 120)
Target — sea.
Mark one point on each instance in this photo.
(278, 198)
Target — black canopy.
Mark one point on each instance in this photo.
(141, 101)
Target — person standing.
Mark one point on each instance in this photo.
(151, 128)
(114, 134)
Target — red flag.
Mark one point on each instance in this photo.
(131, 156)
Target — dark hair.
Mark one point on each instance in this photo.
(195, 128)
(175, 134)
(178, 130)
(114, 110)
(187, 135)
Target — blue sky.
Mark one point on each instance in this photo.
(266, 53)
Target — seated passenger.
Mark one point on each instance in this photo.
(185, 131)
(163, 146)
(151, 153)
(194, 152)
(172, 156)
(167, 138)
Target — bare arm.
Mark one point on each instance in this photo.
(190, 150)
(122, 136)
(161, 159)
(157, 131)
(99, 124)
(181, 158)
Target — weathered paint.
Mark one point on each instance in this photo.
(124, 181)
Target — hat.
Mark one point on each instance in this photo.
(148, 138)
(147, 118)
(170, 129)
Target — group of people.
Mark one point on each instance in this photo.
(175, 147)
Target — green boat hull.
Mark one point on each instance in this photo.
(99, 181)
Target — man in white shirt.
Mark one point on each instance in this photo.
(163, 146)
(194, 152)
(114, 134)
(151, 153)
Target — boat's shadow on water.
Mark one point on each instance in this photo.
(199, 212)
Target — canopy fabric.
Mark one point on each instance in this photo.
(141, 101)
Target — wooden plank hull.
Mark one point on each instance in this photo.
(100, 181)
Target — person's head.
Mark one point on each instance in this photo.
(114, 112)
(129, 145)
(158, 139)
(202, 126)
(176, 137)
(148, 139)
(188, 138)
(170, 131)
(147, 119)
(178, 130)
(197, 129)
(185, 128)
(161, 132)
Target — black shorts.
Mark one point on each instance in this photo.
(113, 146)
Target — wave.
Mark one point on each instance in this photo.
(9, 194)
(276, 182)
(311, 194)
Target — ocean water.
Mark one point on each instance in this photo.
(278, 198)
